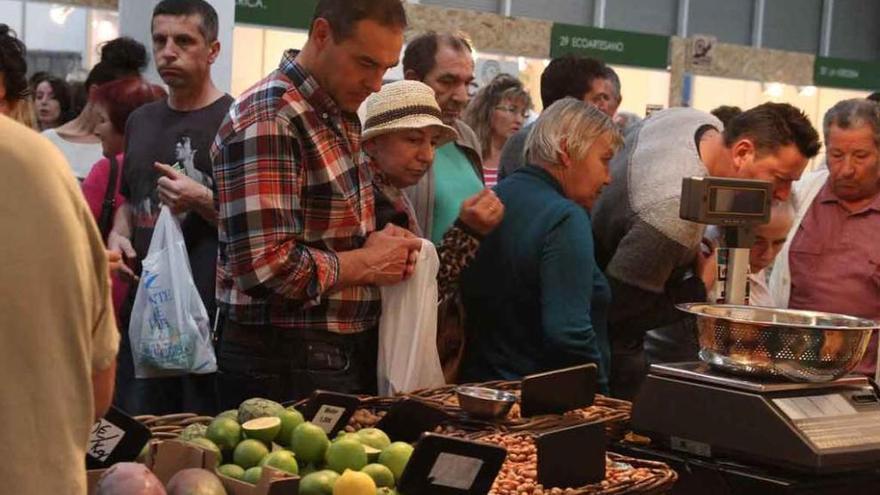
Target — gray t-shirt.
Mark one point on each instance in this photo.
(157, 133)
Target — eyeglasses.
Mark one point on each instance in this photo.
(513, 110)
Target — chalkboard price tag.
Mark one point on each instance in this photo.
(116, 437)
(442, 465)
(330, 410)
(409, 418)
(560, 391)
(558, 468)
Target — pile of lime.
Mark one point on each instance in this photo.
(265, 433)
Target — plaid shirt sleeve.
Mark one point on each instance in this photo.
(259, 174)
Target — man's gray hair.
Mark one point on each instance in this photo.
(575, 121)
(851, 114)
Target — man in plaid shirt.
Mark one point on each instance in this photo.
(300, 261)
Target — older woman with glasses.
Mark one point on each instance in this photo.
(497, 112)
(534, 296)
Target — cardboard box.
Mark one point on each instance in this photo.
(273, 482)
(171, 456)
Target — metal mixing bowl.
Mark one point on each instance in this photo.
(803, 346)
(486, 403)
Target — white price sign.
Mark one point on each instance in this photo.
(104, 438)
(328, 416)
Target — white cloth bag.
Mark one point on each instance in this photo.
(408, 357)
(169, 329)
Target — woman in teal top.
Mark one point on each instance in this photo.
(535, 298)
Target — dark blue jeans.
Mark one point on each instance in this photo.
(287, 365)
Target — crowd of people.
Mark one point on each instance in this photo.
(558, 236)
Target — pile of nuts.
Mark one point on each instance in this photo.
(519, 475)
(364, 418)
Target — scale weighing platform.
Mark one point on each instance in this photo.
(809, 428)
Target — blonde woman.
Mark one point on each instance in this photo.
(497, 112)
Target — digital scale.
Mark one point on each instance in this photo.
(755, 435)
(806, 427)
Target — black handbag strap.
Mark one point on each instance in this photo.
(105, 222)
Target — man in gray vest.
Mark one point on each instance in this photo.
(651, 257)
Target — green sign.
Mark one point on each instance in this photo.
(841, 73)
(293, 14)
(610, 46)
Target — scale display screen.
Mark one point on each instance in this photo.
(739, 201)
(831, 422)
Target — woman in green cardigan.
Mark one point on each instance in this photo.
(534, 297)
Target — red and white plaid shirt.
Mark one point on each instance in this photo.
(293, 190)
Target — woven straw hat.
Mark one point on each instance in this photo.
(404, 105)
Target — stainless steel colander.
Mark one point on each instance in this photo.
(803, 346)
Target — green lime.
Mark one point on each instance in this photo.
(232, 471)
(225, 432)
(249, 453)
(395, 457)
(374, 437)
(231, 413)
(253, 475)
(380, 474)
(290, 419)
(265, 429)
(309, 443)
(318, 483)
(283, 460)
(346, 454)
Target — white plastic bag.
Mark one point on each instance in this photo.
(169, 329)
(408, 357)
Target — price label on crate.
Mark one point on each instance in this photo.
(409, 418)
(328, 417)
(455, 471)
(103, 439)
(540, 393)
(556, 465)
(331, 411)
(442, 465)
(115, 438)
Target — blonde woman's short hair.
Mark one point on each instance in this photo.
(577, 122)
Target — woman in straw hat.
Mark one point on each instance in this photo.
(402, 130)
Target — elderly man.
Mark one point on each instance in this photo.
(445, 63)
(299, 260)
(651, 256)
(830, 261)
(568, 76)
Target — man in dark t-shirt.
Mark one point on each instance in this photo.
(167, 162)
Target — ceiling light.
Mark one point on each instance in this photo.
(59, 14)
(807, 91)
(774, 90)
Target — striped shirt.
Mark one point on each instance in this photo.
(490, 176)
(293, 190)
